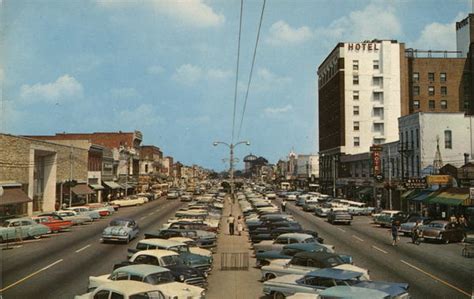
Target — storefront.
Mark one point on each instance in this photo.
(13, 201)
(82, 194)
(111, 191)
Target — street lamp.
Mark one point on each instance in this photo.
(231, 162)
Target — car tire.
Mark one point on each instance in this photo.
(269, 276)
(36, 237)
(278, 295)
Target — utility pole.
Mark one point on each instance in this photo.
(70, 175)
(389, 179)
(334, 177)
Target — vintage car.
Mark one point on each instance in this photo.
(204, 239)
(55, 225)
(406, 228)
(170, 260)
(186, 198)
(130, 201)
(22, 228)
(315, 282)
(193, 260)
(120, 229)
(343, 292)
(74, 217)
(305, 262)
(130, 289)
(310, 207)
(85, 211)
(288, 251)
(283, 240)
(443, 231)
(172, 195)
(339, 216)
(193, 248)
(103, 209)
(322, 210)
(386, 217)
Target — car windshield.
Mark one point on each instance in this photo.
(181, 248)
(159, 278)
(6, 224)
(333, 261)
(436, 225)
(309, 240)
(171, 260)
(118, 223)
(146, 295)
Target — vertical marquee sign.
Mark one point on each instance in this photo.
(376, 155)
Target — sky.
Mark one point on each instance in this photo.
(168, 68)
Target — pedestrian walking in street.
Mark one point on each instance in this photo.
(394, 232)
(415, 233)
(463, 224)
(231, 222)
(240, 225)
(283, 206)
(453, 219)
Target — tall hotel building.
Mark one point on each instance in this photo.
(359, 100)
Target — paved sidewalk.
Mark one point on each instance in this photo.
(229, 284)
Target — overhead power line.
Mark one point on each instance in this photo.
(237, 70)
(251, 69)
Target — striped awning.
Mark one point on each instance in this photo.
(112, 185)
(97, 186)
(423, 196)
(450, 198)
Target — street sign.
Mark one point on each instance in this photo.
(416, 183)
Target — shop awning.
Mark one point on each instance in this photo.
(450, 198)
(82, 189)
(422, 196)
(410, 194)
(13, 196)
(97, 186)
(112, 185)
(127, 186)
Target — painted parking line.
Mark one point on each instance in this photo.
(142, 217)
(83, 248)
(342, 230)
(436, 278)
(31, 275)
(149, 214)
(355, 237)
(379, 249)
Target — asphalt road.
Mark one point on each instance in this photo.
(432, 270)
(59, 265)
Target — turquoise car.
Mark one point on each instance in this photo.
(22, 228)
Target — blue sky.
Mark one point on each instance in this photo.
(167, 68)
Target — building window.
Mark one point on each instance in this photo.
(466, 105)
(355, 65)
(356, 141)
(448, 142)
(442, 77)
(146, 168)
(376, 64)
(378, 96)
(444, 90)
(378, 111)
(431, 77)
(416, 104)
(416, 90)
(444, 104)
(416, 77)
(378, 127)
(356, 110)
(356, 126)
(378, 81)
(417, 138)
(431, 90)
(431, 104)
(417, 166)
(355, 80)
(355, 95)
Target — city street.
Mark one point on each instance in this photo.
(59, 265)
(432, 270)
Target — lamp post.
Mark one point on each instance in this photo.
(231, 162)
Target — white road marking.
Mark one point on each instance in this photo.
(31, 275)
(381, 250)
(355, 237)
(149, 214)
(142, 218)
(83, 248)
(341, 229)
(436, 278)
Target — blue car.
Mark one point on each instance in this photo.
(121, 230)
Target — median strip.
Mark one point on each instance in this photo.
(436, 278)
(379, 249)
(355, 237)
(31, 275)
(83, 248)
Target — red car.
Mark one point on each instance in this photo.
(55, 225)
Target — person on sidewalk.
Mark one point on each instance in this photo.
(283, 206)
(231, 221)
(240, 225)
(394, 232)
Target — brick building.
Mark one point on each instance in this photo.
(40, 170)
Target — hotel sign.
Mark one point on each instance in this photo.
(362, 46)
(376, 153)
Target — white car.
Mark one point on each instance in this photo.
(192, 246)
(285, 239)
(129, 289)
(130, 201)
(73, 216)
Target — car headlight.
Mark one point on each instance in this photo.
(181, 277)
(123, 233)
(204, 273)
(203, 294)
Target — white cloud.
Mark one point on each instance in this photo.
(143, 115)
(283, 34)
(266, 79)
(124, 93)
(63, 89)
(437, 36)
(155, 70)
(190, 12)
(218, 74)
(276, 111)
(189, 74)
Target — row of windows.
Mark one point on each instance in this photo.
(378, 127)
(431, 104)
(431, 90)
(376, 81)
(379, 140)
(431, 77)
(378, 96)
(377, 111)
(355, 65)
(415, 140)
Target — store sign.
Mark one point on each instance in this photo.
(471, 193)
(376, 154)
(362, 47)
(438, 179)
(415, 183)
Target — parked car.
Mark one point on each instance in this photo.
(322, 210)
(204, 239)
(120, 229)
(170, 260)
(74, 217)
(305, 262)
(193, 248)
(86, 211)
(103, 209)
(55, 225)
(343, 292)
(339, 216)
(310, 207)
(406, 228)
(130, 201)
(130, 289)
(283, 240)
(22, 228)
(172, 195)
(443, 231)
